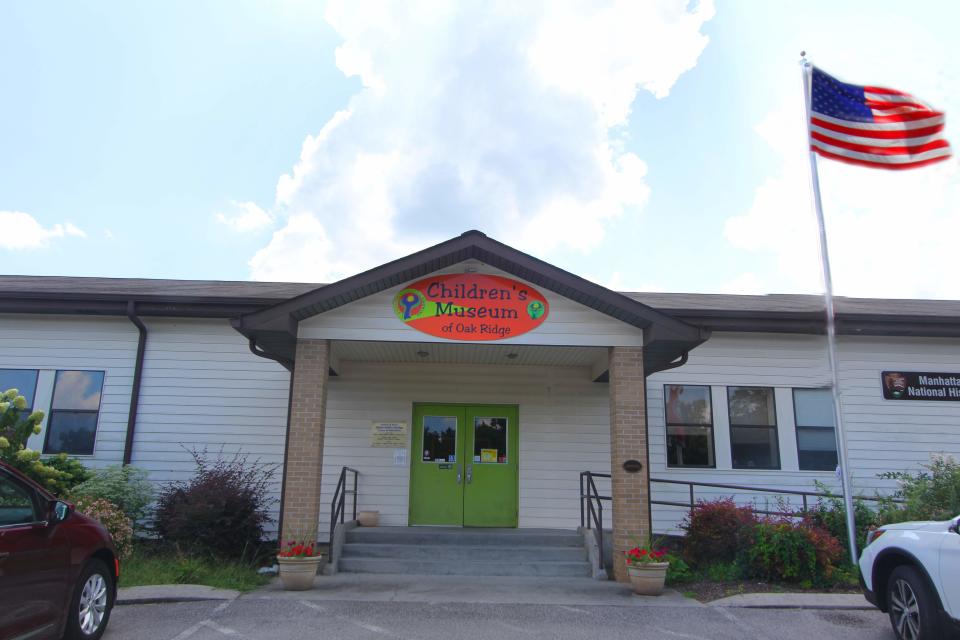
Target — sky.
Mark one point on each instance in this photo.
(646, 145)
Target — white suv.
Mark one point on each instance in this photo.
(912, 571)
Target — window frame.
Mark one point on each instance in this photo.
(797, 427)
(775, 427)
(667, 424)
(456, 439)
(506, 436)
(50, 415)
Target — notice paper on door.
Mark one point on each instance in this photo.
(488, 455)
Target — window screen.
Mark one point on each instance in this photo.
(72, 425)
(689, 420)
(753, 428)
(816, 433)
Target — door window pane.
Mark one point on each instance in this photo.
(816, 435)
(72, 425)
(439, 439)
(689, 420)
(490, 440)
(753, 428)
(23, 380)
(16, 503)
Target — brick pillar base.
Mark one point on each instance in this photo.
(628, 441)
(304, 450)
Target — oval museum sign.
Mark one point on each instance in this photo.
(471, 306)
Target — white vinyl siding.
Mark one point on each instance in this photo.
(52, 343)
(202, 387)
(568, 323)
(564, 429)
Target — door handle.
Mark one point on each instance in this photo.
(469, 473)
(459, 473)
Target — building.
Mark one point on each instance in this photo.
(470, 384)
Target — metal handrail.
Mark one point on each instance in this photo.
(338, 504)
(739, 487)
(588, 497)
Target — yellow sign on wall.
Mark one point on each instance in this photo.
(391, 435)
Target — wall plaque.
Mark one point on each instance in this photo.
(392, 435)
(917, 385)
(632, 466)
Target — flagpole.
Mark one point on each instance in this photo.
(806, 70)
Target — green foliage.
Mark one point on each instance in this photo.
(57, 474)
(930, 494)
(127, 487)
(149, 565)
(792, 552)
(113, 520)
(679, 571)
(830, 514)
(714, 531)
(221, 510)
(723, 572)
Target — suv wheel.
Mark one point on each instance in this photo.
(913, 607)
(91, 603)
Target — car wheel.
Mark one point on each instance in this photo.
(91, 603)
(913, 607)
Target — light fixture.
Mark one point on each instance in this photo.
(422, 353)
(512, 356)
(470, 269)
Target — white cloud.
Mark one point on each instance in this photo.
(500, 116)
(890, 233)
(22, 231)
(247, 217)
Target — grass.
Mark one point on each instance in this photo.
(148, 566)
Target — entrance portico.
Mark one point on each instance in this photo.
(567, 387)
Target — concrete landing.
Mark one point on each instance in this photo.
(795, 601)
(473, 589)
(151, 594)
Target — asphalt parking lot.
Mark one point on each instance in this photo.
(253, 617)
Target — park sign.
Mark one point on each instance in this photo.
(920, 385)
(471, 306)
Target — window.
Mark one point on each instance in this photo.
(16, 503)
(816, 433)
(72, 425)
(439, 439)
(753, 428)
(689, 419)
(24, 380)
(490, 440)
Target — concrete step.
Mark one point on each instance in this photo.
(435, 536)
(465, 553)
(464, 568)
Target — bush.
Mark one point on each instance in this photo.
(57, 474)
(783, 550)
(127, 487)
(222, 510)
(931, 494)
(679, 571)
(831, 514)
(715, 530)
(113, 519)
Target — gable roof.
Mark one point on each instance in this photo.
(274, 329)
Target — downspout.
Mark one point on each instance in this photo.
(137, 375)
(677, 363)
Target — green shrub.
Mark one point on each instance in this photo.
(723, 572)
(678, 571)
(113, 520)
(57, 474)
(930, 494)
(127, 487)
(714, 531)
(784, 550)
(221, 510)
(830, 513)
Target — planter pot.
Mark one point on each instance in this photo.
(297, 574)
(647, 579)
(368, 518)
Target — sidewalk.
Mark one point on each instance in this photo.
(172, 593)
(795, 601)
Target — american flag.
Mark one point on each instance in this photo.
(873, 126)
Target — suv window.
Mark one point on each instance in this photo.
(16, 503)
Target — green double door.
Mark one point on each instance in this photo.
(463, 466)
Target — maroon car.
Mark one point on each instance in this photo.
(58, 568)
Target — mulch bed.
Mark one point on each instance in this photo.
(706, 591)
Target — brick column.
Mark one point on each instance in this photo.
(304, 450)
(628, 441)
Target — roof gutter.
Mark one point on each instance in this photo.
(257, 351)
(137, 376)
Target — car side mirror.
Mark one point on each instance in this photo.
(59, 512)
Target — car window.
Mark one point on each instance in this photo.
(16, 503)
